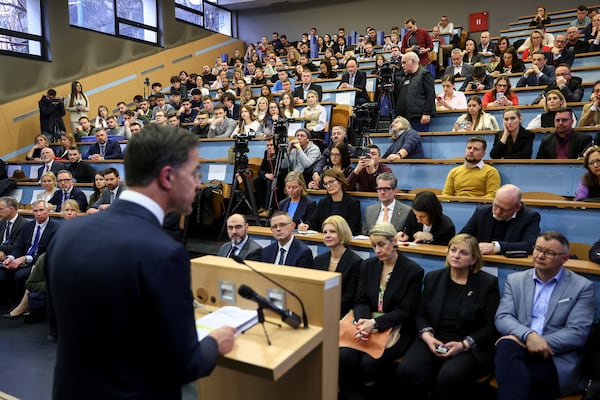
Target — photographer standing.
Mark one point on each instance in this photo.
(52, 109)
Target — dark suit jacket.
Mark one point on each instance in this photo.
(349, 267)
(105, 196)
(299, 90)
(349, 209)
(466, 70)
(15, 231)
(400, 299)
(546, 78)
(133, 302)
(251, 250)
(478, 308)
(360, 82)
(112, 151)
(521, 148)
(235, 114)
(306, 206)
(55, 167)
(521, 232)
(83, 172)
(298, 256)
(76, 194)
(24, 240)
(595, 252)
(577, 145)
(442, 231)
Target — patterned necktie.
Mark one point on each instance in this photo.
(281, 256)
(386, 215)
(102, 149)
(7, 233)
(33, 249)
(112, 197)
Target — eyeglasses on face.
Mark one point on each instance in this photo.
(383, 189)
(280, 225)
(546, 252)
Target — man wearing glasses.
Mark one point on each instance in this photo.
(564, 143)
(388, 209)
(287, 250)
(67, 191)
(240, 244)
(505, 225)
(544, 317)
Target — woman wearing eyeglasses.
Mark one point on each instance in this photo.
(589, 187)
(501, 95)
(337, 202)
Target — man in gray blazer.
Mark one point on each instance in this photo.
(544, 317)
(458, 67)
(240, 245)
(388, 209)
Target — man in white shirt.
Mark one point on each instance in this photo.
(388, 209)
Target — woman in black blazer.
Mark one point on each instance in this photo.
(339, 258)
(298, 205)
(455, 345)
(389, 288)
(426, 223)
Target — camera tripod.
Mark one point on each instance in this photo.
(240, 196)
(386, 96)
(280, 156)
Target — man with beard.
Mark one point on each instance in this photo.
(504, 225)
(113, 190)
(241, 245)
(474, 178)
(564, 143)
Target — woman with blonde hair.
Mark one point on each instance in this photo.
(297, 203)
(554, 100)
(262, 108)
(35, 151)
(339, 258)
(48, 182)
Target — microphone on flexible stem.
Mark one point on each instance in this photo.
(304, 317)
(287, 316)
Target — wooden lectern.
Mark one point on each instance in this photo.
(300, 363)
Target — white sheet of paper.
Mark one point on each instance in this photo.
(217, 171)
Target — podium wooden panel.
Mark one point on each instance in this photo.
(300, 363)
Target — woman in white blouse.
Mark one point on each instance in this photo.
(450, 99)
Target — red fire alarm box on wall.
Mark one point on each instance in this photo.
(478, 22)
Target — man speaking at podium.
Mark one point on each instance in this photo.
(122, 296)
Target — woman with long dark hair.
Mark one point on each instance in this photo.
(78, 104)
(426, 223)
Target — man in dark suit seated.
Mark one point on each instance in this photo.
(82, 172)
(301, 91)
(233, 109)
(47, 155)
(109, 298)
(33, 240)
(485, 46)
(241, 245)
(539, 74)
(104, 149)
(545, 316)
(11, 223)
(114, 188)
(564, 143)
(353, 78)
(504, 225)
(67, 191)
(287, 250)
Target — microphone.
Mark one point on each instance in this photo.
(287, 316)
(240, 260)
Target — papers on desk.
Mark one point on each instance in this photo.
(361, 237)
(226, 316)
(307, 232)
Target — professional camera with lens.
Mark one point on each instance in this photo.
(280, 132)
(386, 77)
(240, 149)
(364, 112)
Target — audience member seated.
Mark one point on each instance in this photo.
(500, 47)
(11, 223)
(301, 91)
(84, 128)
(589, 186)
(339, 158)
(338, 134)
(247, 124)
(222, 126)
(316, 116)
(456, 333)
(327, 71)
(364, 176)
(407, 142)
(475, 119)
(563, 51)
(287, 106)
(471, 55)
(262, 108)
(336, 202)
(540, 353)
(239, 243)
(479, 81)
(513, 141)
(595, 252)
(35, 152)
(263, 183)
(388, 209)
(541, 17)
(509, 64)
(115, 130)
(161, 105)
(48, 183)
(339, 258)
(111, 192)
(67, 191)
(505, 225)
(450, 98)
(564, 142)
(48, 157)
(539, 74)
(591, 34)
(297, 203)
(353, 78)
(302, 152)
(268, 124)
(104, 148)
(66, 141)
(98, 185)
(554, 100)
(590, 116)
(485, 46)
(458, 68)
(33, 240)
(570, 86)
(582, 19)
(201, 124)
(426, 222)
(474, 178)
(535, 44)
(389, 288)
(287, 250)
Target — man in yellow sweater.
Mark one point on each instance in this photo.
(474, 178)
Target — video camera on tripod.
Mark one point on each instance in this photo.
(362, 118)
(280, 132)
(386, 77)
(240, 149)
